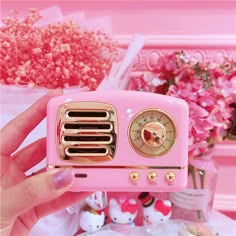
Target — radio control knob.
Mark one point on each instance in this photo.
(134, 176)
(153, 134)
(152, 176)
(170, 176)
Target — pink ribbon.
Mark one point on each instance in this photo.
(127, 207)
(161, 207)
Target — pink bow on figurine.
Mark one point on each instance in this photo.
(161, 207)
(126, 206)
(99, 212)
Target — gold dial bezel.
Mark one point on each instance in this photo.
(154, 153)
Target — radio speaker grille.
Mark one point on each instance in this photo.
(87, 132)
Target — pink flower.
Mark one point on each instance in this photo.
(208, 90)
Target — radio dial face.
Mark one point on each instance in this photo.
(152, 132)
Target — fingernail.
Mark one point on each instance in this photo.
(62, 178)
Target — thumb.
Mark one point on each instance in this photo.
(34, 191)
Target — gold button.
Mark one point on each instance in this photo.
(170, 176)
(134, 176)
(152, 176)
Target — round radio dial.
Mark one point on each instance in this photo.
(152, 132)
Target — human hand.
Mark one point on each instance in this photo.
(26, 199)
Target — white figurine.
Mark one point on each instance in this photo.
(154, 210)
(91, 220)
(97, 200)
(123, 210)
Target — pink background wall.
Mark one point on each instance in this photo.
(149, 17)
(196, 18)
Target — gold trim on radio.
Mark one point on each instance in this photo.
(121, 167)
(87, 132)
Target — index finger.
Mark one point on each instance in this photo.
(14, 133)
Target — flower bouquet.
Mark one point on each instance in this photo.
(210, 91)
(62, 54)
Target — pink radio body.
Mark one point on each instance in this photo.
(119, 140)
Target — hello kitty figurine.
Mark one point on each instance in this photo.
(91, 220)
(123, 210)
(154, 210)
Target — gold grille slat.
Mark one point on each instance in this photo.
(90, 151)
(87, 127)
(90, 114)
(81, 139)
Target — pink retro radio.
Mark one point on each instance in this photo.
(119, 140)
